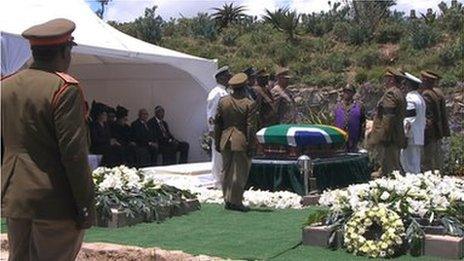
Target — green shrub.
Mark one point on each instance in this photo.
(325, 79)
(340, 31)
(447, 56)
(285, 54)
(390, 33)
(230, 35)
(367, 57)
(337, 62)
(454, 155)
(361, 77)
(448, 80)
(422, 35)
(357, 35)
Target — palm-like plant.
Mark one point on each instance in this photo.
(284, 20)
(228, 14)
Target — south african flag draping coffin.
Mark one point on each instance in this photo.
(293, 140)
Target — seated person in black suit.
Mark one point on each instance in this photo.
(101, 141)
(168, 145)
(147, 146)
(122, 133)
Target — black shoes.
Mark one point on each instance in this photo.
(233, 207)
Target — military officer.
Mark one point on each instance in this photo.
(234, 132)
(251, 74)
(283, 99)
(47, 187)
(267, 113)
(387, 134)
(414, 125)
(436, 126)
(222, 78)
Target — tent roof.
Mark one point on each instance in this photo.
(97, 40)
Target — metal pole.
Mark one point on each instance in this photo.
(305, 164)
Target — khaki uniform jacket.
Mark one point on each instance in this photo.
(285, 105)
(267, 111)
(436, 120)
(388, 122)
(235, 123)
(45, 171)
(444, 115)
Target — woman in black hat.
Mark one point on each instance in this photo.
(101, 141)
(121, 132)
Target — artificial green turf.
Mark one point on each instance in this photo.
(216, 232)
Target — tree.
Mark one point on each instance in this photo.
(148, 28)
(284, 20)
(369, 14)
(100, 12)
(228, 14)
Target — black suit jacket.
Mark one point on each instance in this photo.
(100, 137)
(165, 138)
(142, 135)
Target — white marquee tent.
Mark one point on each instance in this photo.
(115, 68)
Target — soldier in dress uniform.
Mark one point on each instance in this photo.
(414, 125)
(436, 126)
(267, 112)
(222, 78)
(47, 186)
(387, 133)
(251, 74)
(234, 132)
(283, 99)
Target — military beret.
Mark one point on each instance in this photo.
(262, 73)
(394, 73)
(121, 112)
(221, 70)
(430, 75)
(282, 71)
(54, 32)
(238, 80)
(159, 108)
(349, 87)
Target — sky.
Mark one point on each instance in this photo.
(128, 10)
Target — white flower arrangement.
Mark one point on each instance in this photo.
(423, 195)
(129, 190)
(410, 200)
(251, 197)
(365, 222)
(118, 178)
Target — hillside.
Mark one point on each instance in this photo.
(323, 49)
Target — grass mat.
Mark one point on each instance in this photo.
(262, 234)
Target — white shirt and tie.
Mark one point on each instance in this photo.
(415, 118)
(211, 108)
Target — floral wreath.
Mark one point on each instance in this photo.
(375, 232)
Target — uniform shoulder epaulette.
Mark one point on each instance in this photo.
(67, 78)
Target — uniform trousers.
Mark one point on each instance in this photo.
(411, 158)
(31, 239)
(216, 159)
(433, 156)
(236, 167)
(389, 159)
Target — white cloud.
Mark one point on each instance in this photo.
(128, 10)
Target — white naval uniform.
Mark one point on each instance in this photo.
(212, 103)
(411, 156)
